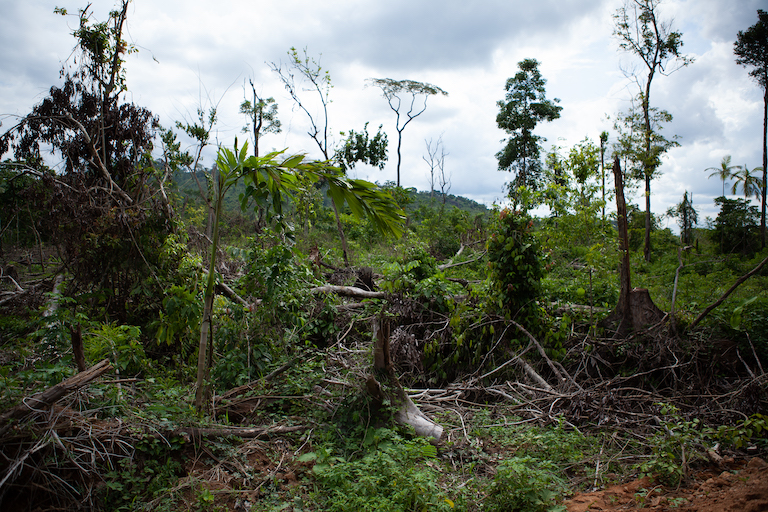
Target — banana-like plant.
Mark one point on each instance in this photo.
(269, 180)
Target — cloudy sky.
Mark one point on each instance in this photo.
(195, 52)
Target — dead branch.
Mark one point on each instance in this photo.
(558, 374)
(349, 291)
(451, 264)
(225, 290)
(98, 163)
(244, 432)
(53, 305)
(730, 290)
(51, 395)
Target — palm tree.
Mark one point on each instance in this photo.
(725, 171)
(750, 183)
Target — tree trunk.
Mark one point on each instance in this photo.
(76, 334)
(647, 237)
(635, 308)
(622, 308)
(383, 370)
(341, 234)
(765, 161)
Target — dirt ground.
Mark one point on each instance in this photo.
(737, 487)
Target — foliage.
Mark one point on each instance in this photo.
(360, 147)
(119, 343)
(390, 475)
(674, 447)
(736, 226)
(524, 484)
(525, 105)
(750, 430)
(724, 171)
(750, 184)
(147, 475)
(515, 267)
(179, 320)
(751, 48)
(262, 113)
(687, 218)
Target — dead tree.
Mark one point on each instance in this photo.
(635, 308)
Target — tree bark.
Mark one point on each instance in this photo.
(622, 308)
(407, 412)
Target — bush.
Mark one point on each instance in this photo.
(524, 484)
(515, 267)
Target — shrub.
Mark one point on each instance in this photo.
(524, 484)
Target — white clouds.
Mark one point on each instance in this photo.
(207, 50)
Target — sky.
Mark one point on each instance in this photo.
(194, 53)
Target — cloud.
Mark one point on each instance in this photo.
(194, 53)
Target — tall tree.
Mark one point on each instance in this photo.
(751, 48)
(642, 33)
(392, 90)
(262, 114)
(750, 184)
(687, 218)
(725, 171)
(312, 78)
(524, 106)
(100, 209)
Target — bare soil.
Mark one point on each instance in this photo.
(737, 487)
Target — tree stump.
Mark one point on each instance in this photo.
(384, 385)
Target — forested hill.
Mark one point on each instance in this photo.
(424, 198)
(187, 188)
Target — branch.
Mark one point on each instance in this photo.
(727, 293)
(451, 265)
(98, 163)
(349, 291)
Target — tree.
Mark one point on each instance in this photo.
(736, 226)
(725, 171)
(262, 114)
(525, 105)
(392, 90)
(361, 147)
(751, 47)
(641, 33)
(268, 180)
(687, 218)
(642, 153)
(436, 160)
(750, 184)
(100, 209)
(312, 78)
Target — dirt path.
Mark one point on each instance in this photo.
(742, 488)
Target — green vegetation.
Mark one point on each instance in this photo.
(246, 365)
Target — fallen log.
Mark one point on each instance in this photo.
(349, 291)
(45, 399)
(244, 432)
